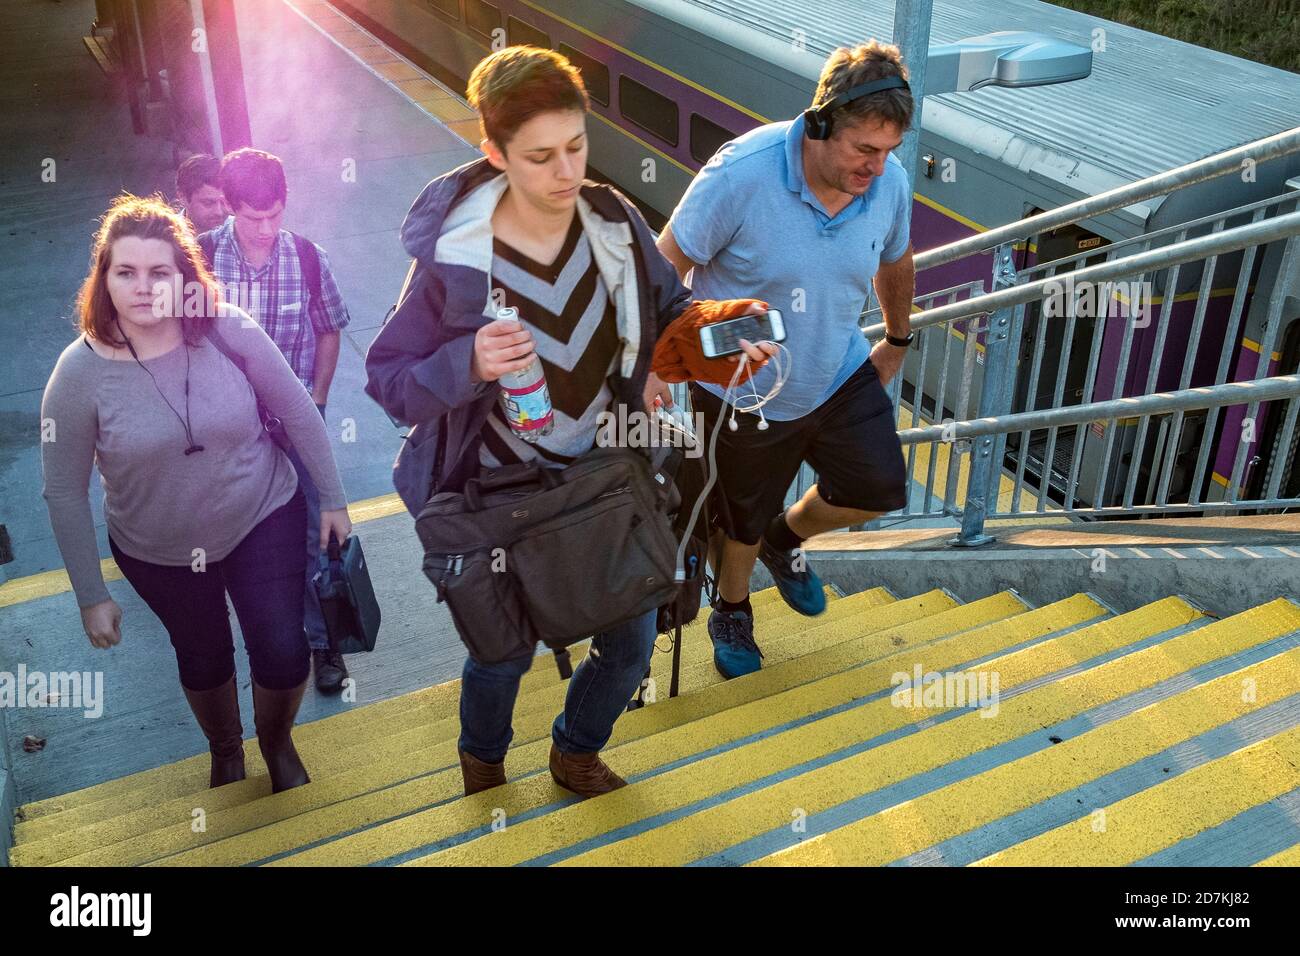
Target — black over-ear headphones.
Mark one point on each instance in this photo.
(817, 119)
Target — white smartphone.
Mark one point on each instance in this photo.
(723, 338)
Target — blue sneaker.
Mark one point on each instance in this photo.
(734, 650)
(802, 590)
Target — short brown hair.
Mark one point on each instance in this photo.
(850, 67)
(196, 172)
(511, 86)
(253, 177)
(145, 218)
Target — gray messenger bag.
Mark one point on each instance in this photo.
(527, 554)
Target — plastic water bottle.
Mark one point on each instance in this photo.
(524, 397)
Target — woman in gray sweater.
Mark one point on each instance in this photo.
(198, 498)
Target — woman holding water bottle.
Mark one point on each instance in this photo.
(523, 266)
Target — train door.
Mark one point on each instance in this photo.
(1050, 246)
(1272, 456)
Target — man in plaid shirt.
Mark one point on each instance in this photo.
(283, 281)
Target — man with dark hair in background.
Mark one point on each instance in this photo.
(198, 192)
(284, 282)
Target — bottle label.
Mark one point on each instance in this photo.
(528, 408)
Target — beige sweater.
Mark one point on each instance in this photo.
(162, 505)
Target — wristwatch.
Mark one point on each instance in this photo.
(900, 343)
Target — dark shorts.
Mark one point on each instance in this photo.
(851, 441)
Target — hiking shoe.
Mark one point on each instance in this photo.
(330, 670)
(802, 590)
(734, 650)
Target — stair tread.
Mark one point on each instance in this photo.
(710, 769)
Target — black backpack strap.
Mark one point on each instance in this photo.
(677, 642)
(309, 262)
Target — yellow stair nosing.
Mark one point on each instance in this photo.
(196, 768)
(236, 795)
(654, 711)
(731, 822)
(1003, 790)
(1190, 803)
(754, 760)
(726, 824)
(1003, 603)
(764, 712)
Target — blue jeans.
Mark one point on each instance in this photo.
(313, 620)
(598, 692)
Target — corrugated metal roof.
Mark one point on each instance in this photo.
(1151, 103)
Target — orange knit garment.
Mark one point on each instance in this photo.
(678, 355)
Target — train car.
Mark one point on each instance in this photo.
(673, 80)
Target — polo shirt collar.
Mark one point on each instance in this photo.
(794, 158)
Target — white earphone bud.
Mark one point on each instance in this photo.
(762, 424)
(731, 423)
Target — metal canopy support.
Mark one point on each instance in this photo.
(912, 37)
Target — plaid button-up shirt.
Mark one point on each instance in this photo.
(277, 298)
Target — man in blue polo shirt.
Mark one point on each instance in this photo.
(804, 214)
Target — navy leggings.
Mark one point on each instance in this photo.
(264, 575)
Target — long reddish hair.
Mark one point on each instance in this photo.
(145, 218)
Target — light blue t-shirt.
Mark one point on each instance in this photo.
(760, 233)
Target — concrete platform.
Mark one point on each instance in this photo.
(1223, 565)
(311, 102)
(315, 105)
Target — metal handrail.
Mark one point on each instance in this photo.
(1211, 396)
(1190, 250)
(1211, 167)
(1148, 238)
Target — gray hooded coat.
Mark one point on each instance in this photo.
(418, 366)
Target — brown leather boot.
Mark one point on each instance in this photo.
(585, 774)
(217, 712)
(273, 714)
(479, 775)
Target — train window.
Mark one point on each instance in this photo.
(450, 7)
(525, 34)
(707, 138)
(595, 75)
(482, 17)
(648, 109)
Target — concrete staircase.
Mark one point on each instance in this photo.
(1158, 735)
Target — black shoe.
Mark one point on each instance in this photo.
(330, 670)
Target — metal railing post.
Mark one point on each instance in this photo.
(995, 400)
